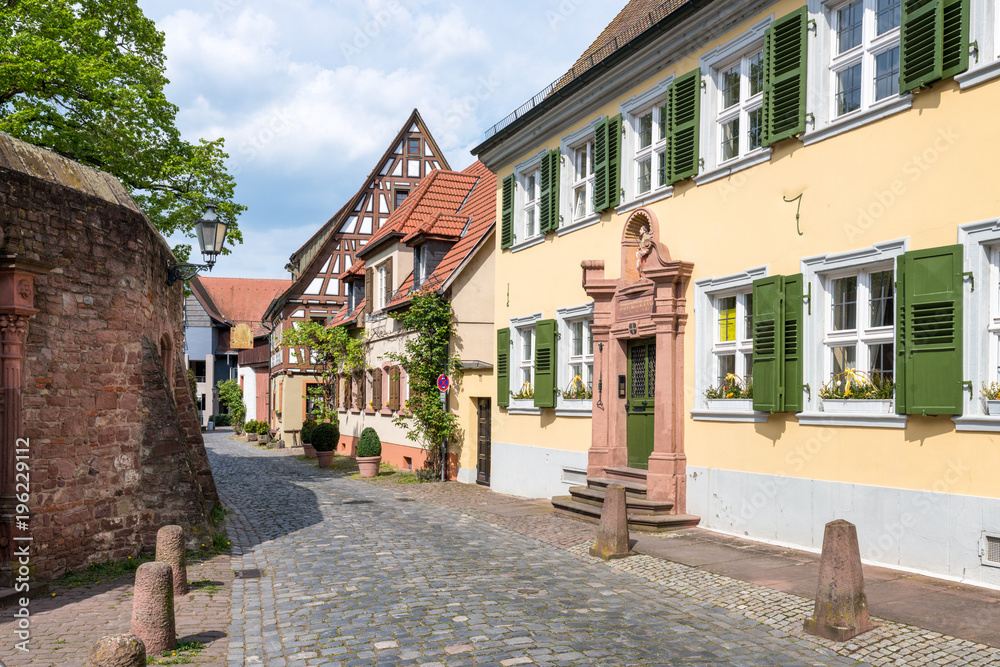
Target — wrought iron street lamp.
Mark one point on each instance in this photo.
(211, 232)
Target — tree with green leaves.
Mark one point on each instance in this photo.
(425, 356)
(231, 396)
(333, 351)
(85, 78)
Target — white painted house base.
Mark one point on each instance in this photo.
(938, 534)
(467, 475)
(532, 472)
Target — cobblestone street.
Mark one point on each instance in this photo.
(331, 571)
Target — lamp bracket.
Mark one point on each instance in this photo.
(184, 272)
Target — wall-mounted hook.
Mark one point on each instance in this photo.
(797, 210)
(811, 25)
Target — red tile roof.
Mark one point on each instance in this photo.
(238, 299)
(635, 18)
(445, 205)
(441, 192)
(477, 215)
(357, 269)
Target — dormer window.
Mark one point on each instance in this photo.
(419, 268)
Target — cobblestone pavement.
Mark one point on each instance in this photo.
(332, 571)
(66, 625)
(889, 644)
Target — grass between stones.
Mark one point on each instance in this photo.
(183, 654)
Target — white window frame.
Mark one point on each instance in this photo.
(518, 327)
(819, 272)
(712, 64)
(378, 289)
(863, 336)
(984, 31)
(522, 171)
(865, 54)
(821, 122)
(566, 318)
(567, 146)
(707, 292)
(980, 320)
(632, 110)
(742, 345)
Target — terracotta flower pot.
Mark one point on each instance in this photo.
(325, 458)
(368, 465)
(310, 450)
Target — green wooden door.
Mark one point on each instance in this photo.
(639, 406)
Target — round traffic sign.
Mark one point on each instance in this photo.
(443, 382)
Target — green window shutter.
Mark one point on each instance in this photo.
(549, 186)
(954, 37)
(929, 332)
(768, 344)
(601, 166)
(785, 49)
(503, 370)
(545, 364)
(614, 129)
(683, 102)
(792, 368)
(545, 193)
(507, 213)
(920, 40)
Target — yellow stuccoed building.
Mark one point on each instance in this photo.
(749, 264)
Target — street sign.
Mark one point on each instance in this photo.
(442, 382)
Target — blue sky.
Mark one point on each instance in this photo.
(309, 93)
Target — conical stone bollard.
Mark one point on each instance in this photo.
(117, 651)
(153, 607)
(170, 550)
(841, 610)
(612, 534)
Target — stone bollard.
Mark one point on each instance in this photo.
(117, 651)
(170, 550)
(841, 610)
(153, 607)
(612, 534)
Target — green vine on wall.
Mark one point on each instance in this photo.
(333, 351)
(424, 358)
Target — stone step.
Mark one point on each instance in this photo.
(634, 489)
(595, 496)
(651, 523)
(626, 474)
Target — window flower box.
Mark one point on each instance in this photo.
(993, 408)
(730, 404)
(857, 405)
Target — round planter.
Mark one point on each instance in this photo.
(310, 451)
(325, 458)
(368, 465)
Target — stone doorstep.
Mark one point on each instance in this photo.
(569, 506)
(632, 488)
(595, 496)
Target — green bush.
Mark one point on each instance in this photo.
(369, 444)
(223, 420)
(263, 428)
(255, 426)
(325, 437)
(307, 431)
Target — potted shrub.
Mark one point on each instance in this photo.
(251, 430)
(262, 432)
(324, 441)
(369, 452)
(306, 435)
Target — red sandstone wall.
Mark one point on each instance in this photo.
(116, 449)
